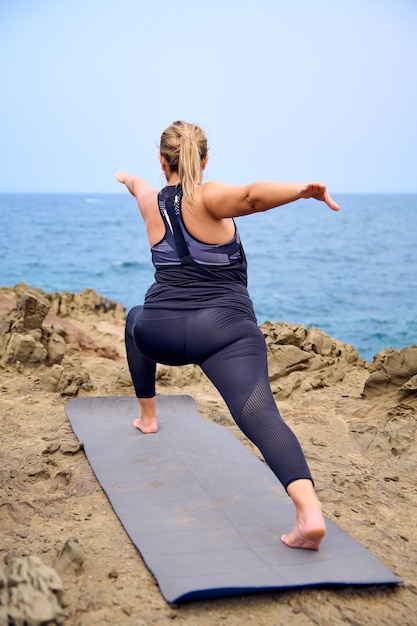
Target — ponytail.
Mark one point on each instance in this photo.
(184, 146)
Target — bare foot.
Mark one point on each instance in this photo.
(308, 531)
(146, 425)
(310, 526)
(147, 422)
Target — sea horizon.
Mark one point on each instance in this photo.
(348, 273)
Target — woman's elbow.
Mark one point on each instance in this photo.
(255, 205)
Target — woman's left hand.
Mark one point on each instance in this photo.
(318, 191)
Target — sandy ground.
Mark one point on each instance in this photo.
(50, 500)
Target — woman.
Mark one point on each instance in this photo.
(199, 310)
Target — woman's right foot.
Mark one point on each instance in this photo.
(147, 422)
(146, 425)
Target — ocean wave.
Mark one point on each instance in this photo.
(129, 264)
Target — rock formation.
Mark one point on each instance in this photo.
(24, 339)
(30, 592)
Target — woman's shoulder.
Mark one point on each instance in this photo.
(212, 191)
(223, 200)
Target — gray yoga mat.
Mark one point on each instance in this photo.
(204, 512)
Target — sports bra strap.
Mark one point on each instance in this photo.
(171, 202)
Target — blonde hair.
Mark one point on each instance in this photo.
(184, 146)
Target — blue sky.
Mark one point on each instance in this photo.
(286, 90)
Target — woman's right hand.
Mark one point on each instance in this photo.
(120, 175)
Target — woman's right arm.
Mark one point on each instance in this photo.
(146, 195)
(222, 200)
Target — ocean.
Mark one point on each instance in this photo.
(352, 273)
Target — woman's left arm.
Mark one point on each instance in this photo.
(318, 191)
(223, 200)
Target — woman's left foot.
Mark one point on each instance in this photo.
(307, 534)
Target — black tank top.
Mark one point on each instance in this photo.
(191, 274)
(166, 251)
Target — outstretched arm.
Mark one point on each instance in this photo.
(126, 179)
(145, 194)
(318, 192)
(233, 201)
(135, 185)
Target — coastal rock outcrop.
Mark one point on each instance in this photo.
(27, 341)
(393, 372)
(55, 322)
(41, 330)
(64, 304)
(385, 425)
(24, 339)
(299, 358)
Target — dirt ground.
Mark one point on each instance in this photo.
(362, 454)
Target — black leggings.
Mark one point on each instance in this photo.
(231, 350)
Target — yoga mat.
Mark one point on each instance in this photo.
(204, 512)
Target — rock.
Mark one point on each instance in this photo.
(302, 359)
(22, 336)
(400, 429)
(70, 383)
(56, 347)
(410, 386)
(71, 447)
(124, 379)
(51, 378)
(390, 432)
(282, 360)
(311, 341)
(51, 448)
(285, 387)
(178, 376)
(24, 348)
(25, 339)
(59, 329)
(33, 307)
(71, 557)
(31, 592)
(67, 304)
(393, 371)
(282, 333)
(317, 341)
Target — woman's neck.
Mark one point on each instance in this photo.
(173, 179)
